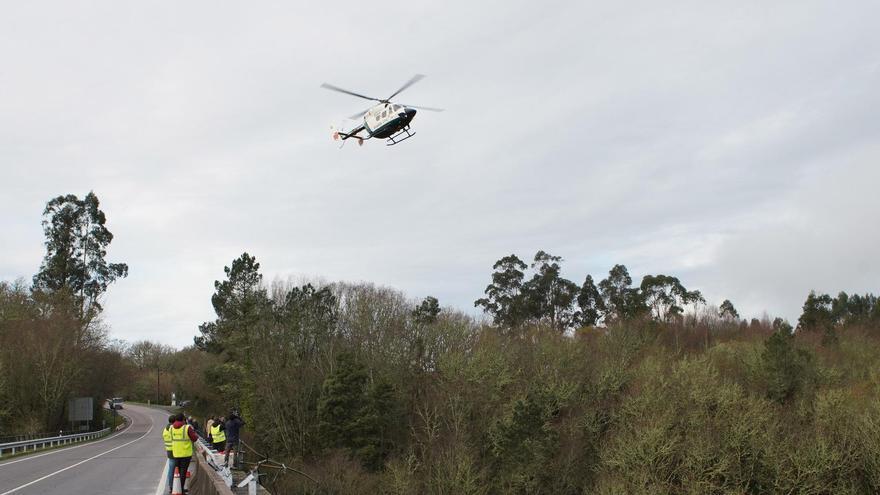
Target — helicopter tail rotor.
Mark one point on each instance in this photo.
(341, 135)
(336, 135)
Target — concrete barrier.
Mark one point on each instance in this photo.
(205, 479)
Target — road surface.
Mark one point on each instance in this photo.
(129, 462)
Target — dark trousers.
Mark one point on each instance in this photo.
(182, 464)
(220, 446)
(231, 446)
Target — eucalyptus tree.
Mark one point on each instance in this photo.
(550, 297)
(590, 303)
(504, 299)
(76, 243)
(667, 297)
(621, 301)
(727, 311)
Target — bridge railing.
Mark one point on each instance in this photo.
(37, 443)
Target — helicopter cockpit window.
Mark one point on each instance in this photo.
(384, 114)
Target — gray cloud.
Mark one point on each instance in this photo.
(732, 144)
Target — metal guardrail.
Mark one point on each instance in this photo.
(25, 445)
(35, 436)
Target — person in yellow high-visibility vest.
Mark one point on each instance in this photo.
(182, 438)
(166, 437)
(218, 435)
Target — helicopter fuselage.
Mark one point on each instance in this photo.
(386, 119)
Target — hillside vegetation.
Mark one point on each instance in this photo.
(621, 390)
(565, 388)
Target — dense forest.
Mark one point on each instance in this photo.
(602, 386)
(570, 388)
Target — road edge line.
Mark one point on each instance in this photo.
(65, 449)
(152, 424)
(163, 479)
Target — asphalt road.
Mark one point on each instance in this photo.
(129, 462)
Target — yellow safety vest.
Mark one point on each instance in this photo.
(166, 436)
(217, 435)
(181, 445)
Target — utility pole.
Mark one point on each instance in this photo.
(157, 381)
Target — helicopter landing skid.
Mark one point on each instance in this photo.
(393, 139)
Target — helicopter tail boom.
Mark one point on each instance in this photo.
(342, 135)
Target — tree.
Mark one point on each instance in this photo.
(239, 301)
(355, 415)
(76, 245)
(621, 301)
(5, 400)
(590, 303)
(846, 309)
(427, 312)
(727, 311)
(46, 352)
(232, 296)
(817, 313)
(859, 308)
(341, 399)
(549, 297)
(377, 420)
(782, 326)
(145, 354)
(524, 440)
(666, 296)
(785, 366)
(294, 341)
(505, 300)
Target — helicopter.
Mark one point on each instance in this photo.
(385, 120)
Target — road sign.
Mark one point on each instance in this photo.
(80, 409)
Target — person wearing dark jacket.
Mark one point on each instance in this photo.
(233, 429)
(183, 436)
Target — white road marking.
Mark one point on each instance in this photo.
(81, 462)
(56, 451)
(163, 479)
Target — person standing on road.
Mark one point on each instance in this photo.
(233, 428)
(166, 436)
(218, 435)
(183, 436)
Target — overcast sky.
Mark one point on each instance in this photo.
(732, 144)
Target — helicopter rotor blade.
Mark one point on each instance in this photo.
(358, 115)
(416, 78)
(424, 108)
(340, 90)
